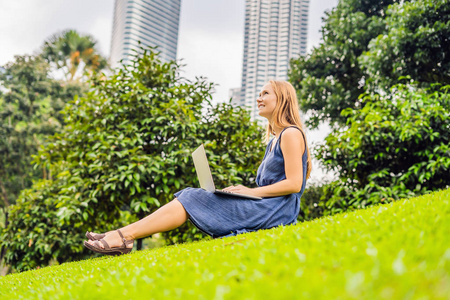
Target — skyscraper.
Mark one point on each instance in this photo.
(275, 32)
(152, 22)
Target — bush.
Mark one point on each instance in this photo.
(34, 235)
(312, 202)
(396, 146)
(127, 147)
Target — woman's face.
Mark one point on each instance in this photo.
(266, 101)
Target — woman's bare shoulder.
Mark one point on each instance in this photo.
(292, 138)
(292, 133)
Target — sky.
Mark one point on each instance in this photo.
(210, 39)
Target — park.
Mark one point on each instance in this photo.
(101, 148)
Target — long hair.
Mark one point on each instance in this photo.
(286, 113)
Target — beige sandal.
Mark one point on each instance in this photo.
(94, 236)
(107, 249)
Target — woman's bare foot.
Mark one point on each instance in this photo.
(113, 239)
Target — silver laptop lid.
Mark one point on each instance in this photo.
(202, 169)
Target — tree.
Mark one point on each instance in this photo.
(30, 103)
(330, 79)
(378, 77)
(369, 45)
(126, 147)
(73, 53)
(416, 44)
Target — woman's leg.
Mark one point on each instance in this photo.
(168, 217)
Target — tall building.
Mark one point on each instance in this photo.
(152, 22)
(275, 32)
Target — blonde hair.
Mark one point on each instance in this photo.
(286, 113)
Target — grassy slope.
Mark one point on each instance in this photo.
(394, 251)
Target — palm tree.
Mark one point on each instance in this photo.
(73, 53)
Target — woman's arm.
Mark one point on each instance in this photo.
(292, 146)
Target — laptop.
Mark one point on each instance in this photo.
(204, 175)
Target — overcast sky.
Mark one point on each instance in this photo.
(211, 35)
(210, 40)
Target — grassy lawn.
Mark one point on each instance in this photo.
(394, 251)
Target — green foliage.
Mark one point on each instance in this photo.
(325, 199)
(127, 146)
(33, 228)
(312, 202)
(2, 218)
(393, 251)
(30, 105)
(415, 44)
(368, 45)
(73, 53)
(396, 146)
(330, 79)
(36, 236)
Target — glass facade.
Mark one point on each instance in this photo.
(275, 32)
(150, 22)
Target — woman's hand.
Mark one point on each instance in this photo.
(240, 189)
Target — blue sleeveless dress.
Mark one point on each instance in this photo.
(222, 215)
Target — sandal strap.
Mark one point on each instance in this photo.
(105, 244)
(123, 239)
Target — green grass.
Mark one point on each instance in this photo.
(395, 251)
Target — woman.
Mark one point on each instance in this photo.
(281, 181)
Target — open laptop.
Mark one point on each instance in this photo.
(204, 174)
